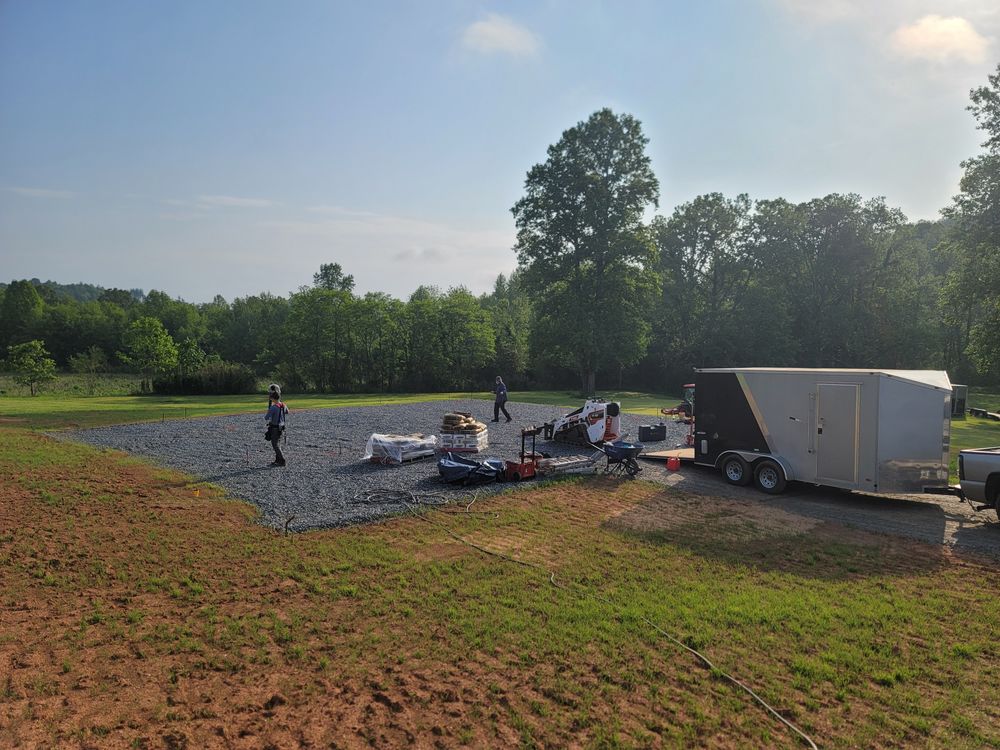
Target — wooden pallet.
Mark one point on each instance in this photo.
(684, 454)
(408, 458)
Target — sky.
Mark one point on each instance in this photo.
(231, 147)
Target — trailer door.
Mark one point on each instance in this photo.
(837, 411)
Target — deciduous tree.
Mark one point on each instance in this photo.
(974, 284)
(332, 278)
(586, 254)
(21, 312)
(31, 364)
(149, 349)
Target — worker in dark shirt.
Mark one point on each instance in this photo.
(500, 404)
(275, 418)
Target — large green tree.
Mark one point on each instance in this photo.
(251, 331)
(706, 263)
(586, 255)
(972, 298)
(469, 339)
(510, 310)
(379, 321)
(21, 312)
(331, 277)
(318, 338)
(835, 270)
(149, 349)
(181, 319)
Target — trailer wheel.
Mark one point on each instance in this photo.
(769, 478)
(736, 471)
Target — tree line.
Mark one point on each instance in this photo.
(602, 296)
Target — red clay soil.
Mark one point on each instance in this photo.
(100, 647)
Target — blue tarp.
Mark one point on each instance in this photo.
(455, 468)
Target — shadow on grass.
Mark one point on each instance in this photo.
(773, 539)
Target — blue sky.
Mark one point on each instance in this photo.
(233, 147)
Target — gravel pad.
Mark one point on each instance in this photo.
(325, 479)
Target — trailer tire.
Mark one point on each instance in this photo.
(768, 477)
(736, 471)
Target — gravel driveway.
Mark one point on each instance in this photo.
(938, 519)
(325, 477)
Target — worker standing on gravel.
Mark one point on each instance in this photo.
(276, 411)
(500, 404)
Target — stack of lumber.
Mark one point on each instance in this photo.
(397, 449)
(462, 433)
(567, 465)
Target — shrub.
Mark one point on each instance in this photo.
(212, 379)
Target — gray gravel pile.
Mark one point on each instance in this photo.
(325, 480)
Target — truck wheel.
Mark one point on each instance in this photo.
(993, 493)
(769, 478)
(736, 471)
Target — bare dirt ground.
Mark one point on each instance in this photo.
(139, 610)
(937, 519)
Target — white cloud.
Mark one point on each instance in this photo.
(941, 40)
(233, 201)
(499, 34)
(30, 192)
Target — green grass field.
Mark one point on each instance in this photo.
(54, 411)
(861, 640)
(121, 579)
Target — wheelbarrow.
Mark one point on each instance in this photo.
(621, 458)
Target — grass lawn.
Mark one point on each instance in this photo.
(141, 610)
(973, 432)
(48, 411)
(984, 398)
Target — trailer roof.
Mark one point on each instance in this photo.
(933, 378)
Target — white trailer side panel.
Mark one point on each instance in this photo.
(914, 436)
(824, 423)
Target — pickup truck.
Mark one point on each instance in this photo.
(979, 476)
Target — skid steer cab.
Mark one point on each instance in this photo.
(684, 413)
(593, 423)
(685, 409)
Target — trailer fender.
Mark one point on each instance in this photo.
(751, 457)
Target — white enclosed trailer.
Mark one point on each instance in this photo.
(884, 431)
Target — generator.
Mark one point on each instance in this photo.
(652, 433)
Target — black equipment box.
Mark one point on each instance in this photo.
(651, 433)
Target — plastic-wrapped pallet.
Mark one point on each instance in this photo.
(395, 449)
(463, 433)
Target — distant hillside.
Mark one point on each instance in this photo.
(53, 291)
